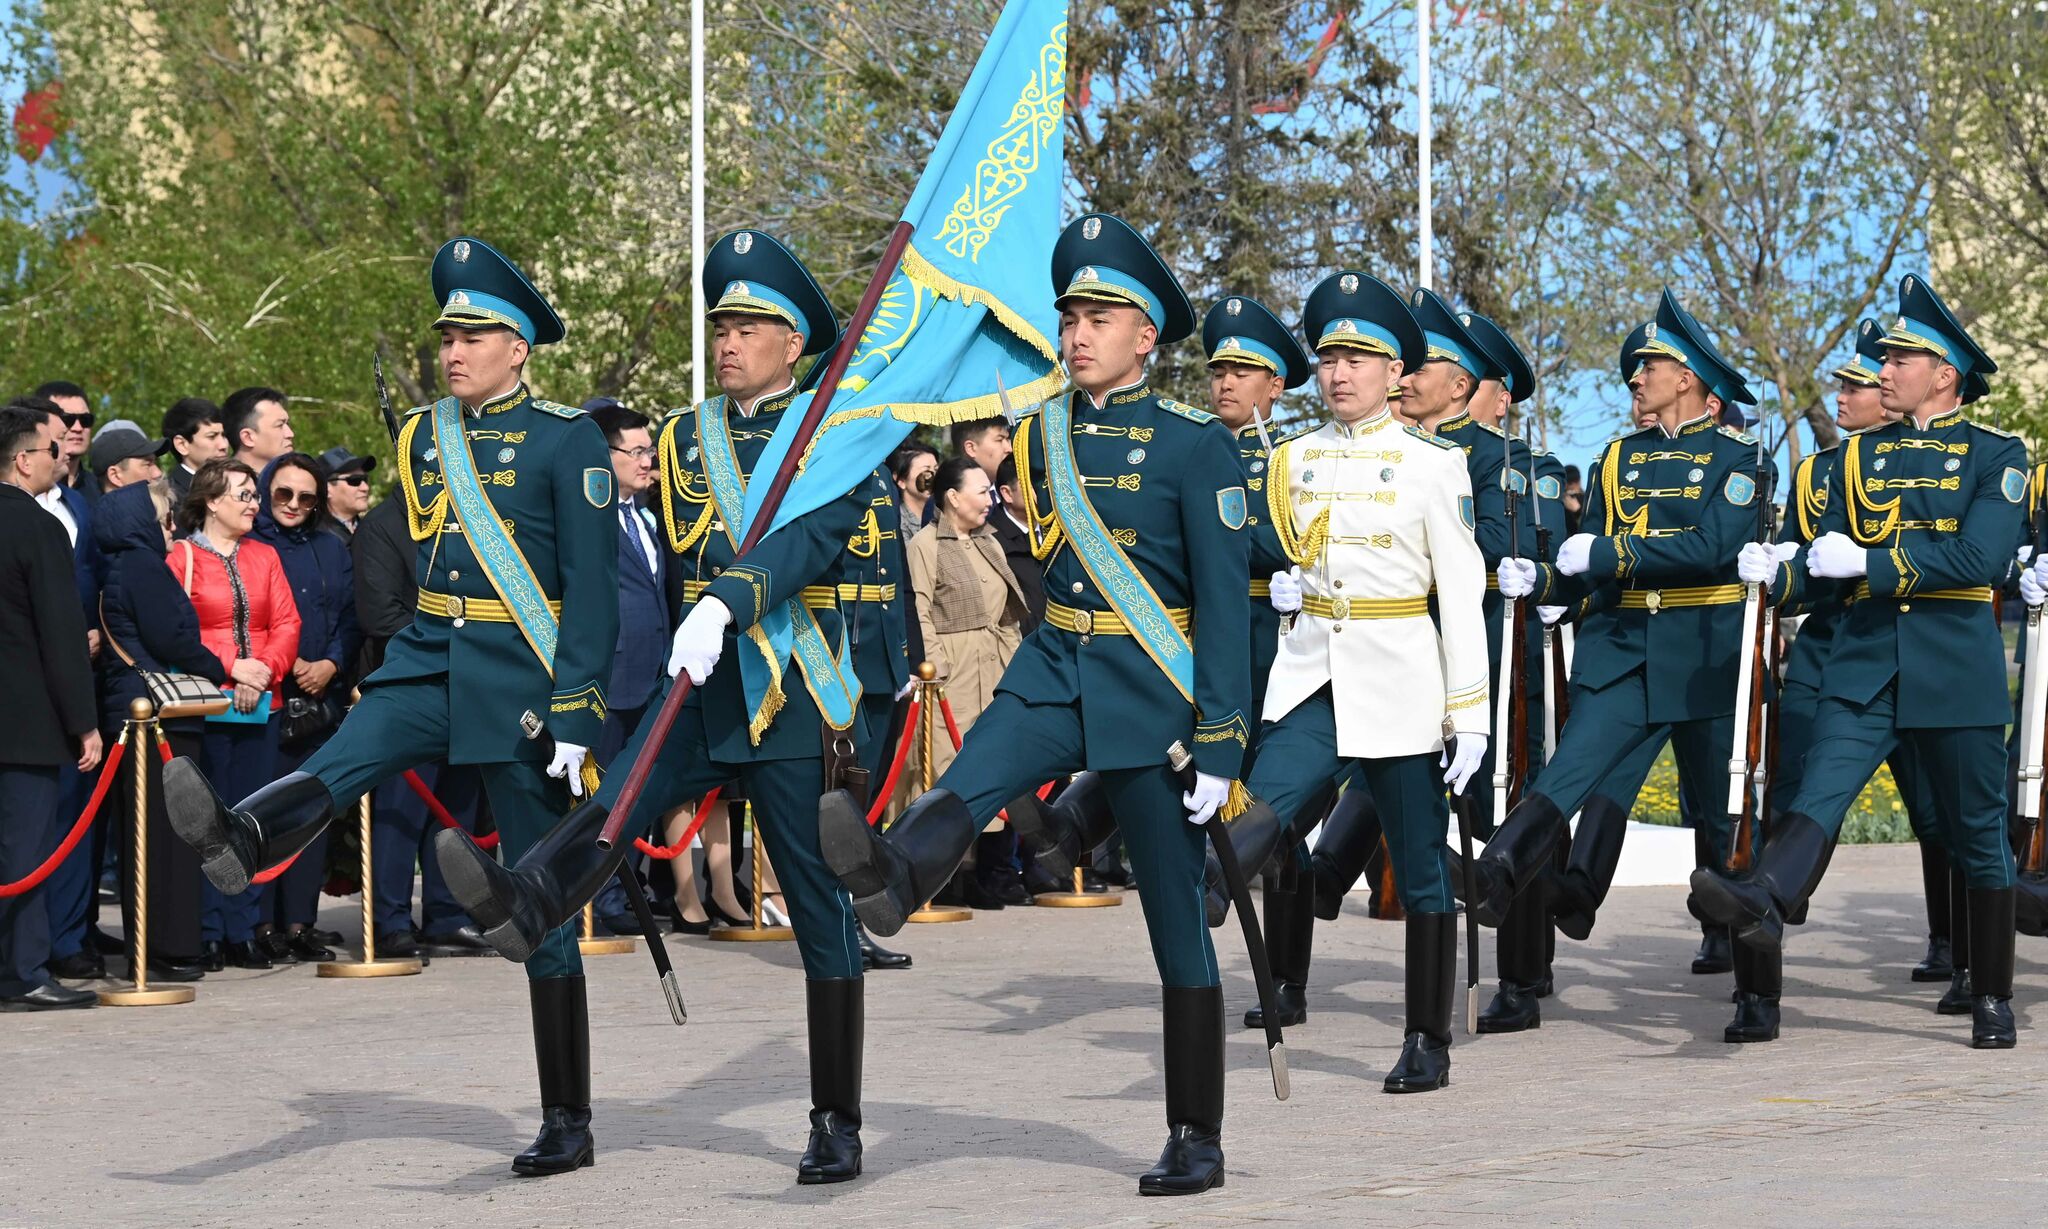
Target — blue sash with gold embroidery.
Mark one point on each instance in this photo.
(489, 540)
(1112, 570)
(792, 628)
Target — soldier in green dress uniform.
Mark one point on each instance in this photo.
(510, 498)
(1673, 504)
(1917, 534)
(1138, 507)
(777, 691)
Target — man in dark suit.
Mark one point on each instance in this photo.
(46, 687)
(1008, 522)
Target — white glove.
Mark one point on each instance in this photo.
(1757, 564)
(1517, 578)
(1471, 748)
(906, 689)
(1576, 555)
(2032, 591)
(699, 640)
(1209, 793)
(1287, 591)
(1551, 614)
(568, 762)
(1835, 557)
(2026, 553)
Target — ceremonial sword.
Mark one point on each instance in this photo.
(1183, 766)
(384, 401)
(1461, 802)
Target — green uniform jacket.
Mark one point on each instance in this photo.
(881, 637)
(1164, 479)
(1938, 511)
(1808, 500)
(548, 475)
(808, 553)
(1671, 515)
(1484, 453)
(1263, 545)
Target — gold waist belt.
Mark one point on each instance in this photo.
(817, 597)
(1980, 594)
(1364, 607)
(1262, 588)
(1103, 622)
(1492, 584)
(1654, 600)
(482, 609)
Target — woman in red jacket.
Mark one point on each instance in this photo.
(248, 618)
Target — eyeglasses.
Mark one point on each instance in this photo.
(76, 420)
(354, 479)
(243, 496)
(55, 450)
(638, 454)
(289, 499)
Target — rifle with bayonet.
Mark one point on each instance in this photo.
(1748, 767)
(1556, 705)
(1511, 697)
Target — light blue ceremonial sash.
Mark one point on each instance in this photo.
(790, 629)
(1112, 570)
(489, 540)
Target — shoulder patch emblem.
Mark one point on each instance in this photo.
(1465, 510)
(1230, 507)
(557, 408)
(1739, 436)
(1741, 488)
(1991, 430)
(1517, 481)
(597, 487)
(1439, 441)
(1549, 488)
(2013, 485)
(1185, 410)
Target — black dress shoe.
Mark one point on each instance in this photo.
(104, 943)
(967, 890)
(1037, 879)
(328, 938)
(1514, 1009)
(462, 941)
(1291, 998)
(1991, 1026)
(619, 924)
(1714, 954)
(82, 965)
(680, 925)
(247, 955)
(277, 945)
(1009, 889)
(213, 956)
(1957, 999)
(305, 948)
(49, 997)
(175, 971)
(399, 943)
(1191, 1162)
(1756, 1019)
(874, 956)
(1938, 965)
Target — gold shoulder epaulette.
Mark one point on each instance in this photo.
(557, 408)
(1438, 440)
(1739, 436)
(1987, 427)
(418, 409)
(1185, 410)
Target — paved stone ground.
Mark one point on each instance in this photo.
(1013, 1080)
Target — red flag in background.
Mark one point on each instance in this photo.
(36, 121)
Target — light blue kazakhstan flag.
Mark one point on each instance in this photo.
(967, 314)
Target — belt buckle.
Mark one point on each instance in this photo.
(457, 609)
(1340, 608)
(1653, 601)
(1084, 622)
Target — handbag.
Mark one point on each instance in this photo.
(174, 694)
(306, 717)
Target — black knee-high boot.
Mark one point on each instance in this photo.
(1991, 960)
(517, 906)
(1754, 907)
(266, 828)
(1192, 1160)
(1290, 933)
(1936, 965)
(1759, 983)
(1062, 834)
(1712, 955)
(890, 876)
(1425, 1062)
(1522, 950)
(561, 1049)
(837, 1012)
(1955, 1001)
(1581, 887)
(1351, 834)
(1518, 852)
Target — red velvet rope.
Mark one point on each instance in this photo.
(895, 773)
(35, 878)
(163, 749)
(952, 726)
(439, 812)
(682, 845)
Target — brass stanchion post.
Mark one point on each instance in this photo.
(588, 942)
(757, 932)
(369, 965)
(141, 718)
(931, 694)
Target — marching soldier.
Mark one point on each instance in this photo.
(1373, 514)
(1138, 506)
(1918, 531)
(1674, 504)
(782, 710)
(510, 498)
(1858, 408)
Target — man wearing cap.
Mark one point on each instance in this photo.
(348, 490)
(781, 720)
(1917, 533)
(510, 499)
(1137, 505)
(1373, 513)
(1657, 648)
(121, 454)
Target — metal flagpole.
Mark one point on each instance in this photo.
(1422, 227)
(696, 201)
